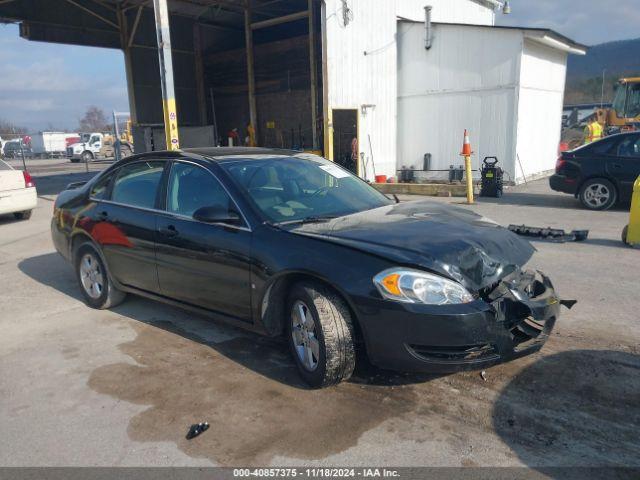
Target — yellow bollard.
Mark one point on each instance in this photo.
(466, 153)
(633, 230)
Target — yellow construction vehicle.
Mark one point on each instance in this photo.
(624, 115)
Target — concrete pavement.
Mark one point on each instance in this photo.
(120, 388)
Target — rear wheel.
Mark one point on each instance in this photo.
(320, 333)
(97, 288)
(26, 215)
(598, 194)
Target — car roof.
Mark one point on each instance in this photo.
(218, 153)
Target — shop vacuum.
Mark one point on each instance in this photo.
(492, 178)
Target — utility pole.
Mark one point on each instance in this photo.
(163, 33)
(604, 72)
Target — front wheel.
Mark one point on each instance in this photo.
(97, 288)
(598, 194)
(321, 336)
(87, 156)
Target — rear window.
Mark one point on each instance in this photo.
(601, 147)
(137, 184)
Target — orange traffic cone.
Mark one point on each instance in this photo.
(466, 147)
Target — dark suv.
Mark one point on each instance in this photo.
(602, 173)
(12, 150)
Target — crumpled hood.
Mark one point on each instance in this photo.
(447, 240)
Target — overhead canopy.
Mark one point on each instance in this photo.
(98, 23)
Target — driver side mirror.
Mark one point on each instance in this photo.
(217, 214)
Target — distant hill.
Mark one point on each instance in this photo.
(584, 73)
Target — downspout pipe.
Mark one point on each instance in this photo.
(428, 27)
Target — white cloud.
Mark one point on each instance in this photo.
(45, 84)
(587, 21)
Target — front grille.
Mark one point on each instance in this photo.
(69, 152)
(462, 353)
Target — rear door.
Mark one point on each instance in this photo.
(126, 224)
(624, 165)
(207, 265)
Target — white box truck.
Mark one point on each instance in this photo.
(50, 144)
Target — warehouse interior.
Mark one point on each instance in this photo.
(234, 61)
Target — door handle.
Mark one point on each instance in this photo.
(169, 232)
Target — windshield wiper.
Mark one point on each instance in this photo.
(304, 221)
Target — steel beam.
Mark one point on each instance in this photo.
(313, 76)
(91, 12)
(251, 80)
(163, 33)
(280, 20)
(199, 68)
(125, 42)
(134, 29)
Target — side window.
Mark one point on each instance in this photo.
(630, 147)
(191, 188)
(100, 190)
(137, 184)
(601, 147)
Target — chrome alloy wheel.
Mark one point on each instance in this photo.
(91, 276)
(597, 195)
(305, 340)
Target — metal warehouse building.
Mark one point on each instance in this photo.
(315, 74)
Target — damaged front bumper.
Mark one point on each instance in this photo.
(509, 320)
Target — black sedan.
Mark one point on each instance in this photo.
(602, 173)
(285, 243)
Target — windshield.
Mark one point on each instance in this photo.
(299, 188)
(627, 101)
(619, 102)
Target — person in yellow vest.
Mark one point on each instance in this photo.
(593, 131)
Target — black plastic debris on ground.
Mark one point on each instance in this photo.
(197, 429)
(551, 234)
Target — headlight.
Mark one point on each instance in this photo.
(413, 286)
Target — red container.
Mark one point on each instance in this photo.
(381, 179)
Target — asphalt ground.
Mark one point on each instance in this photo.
(80, 387)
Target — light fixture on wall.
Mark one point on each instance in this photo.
(506, 8)
(365, 108)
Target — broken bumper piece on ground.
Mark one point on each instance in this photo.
(553, 234)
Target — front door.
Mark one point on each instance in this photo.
(346, 149)
(207, 265)
(125, 225)
(625, 165)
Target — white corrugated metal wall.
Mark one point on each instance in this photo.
(468, 79)
(541, 98)
(356, 79)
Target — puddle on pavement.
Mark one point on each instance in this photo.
(249, 392)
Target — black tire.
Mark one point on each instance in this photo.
(108, 296)
(333, 330)
(87, 156)
(598, 194)
(26, 215)
(625, 231)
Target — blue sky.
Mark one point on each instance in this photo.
(587, 21)
(46, 86)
